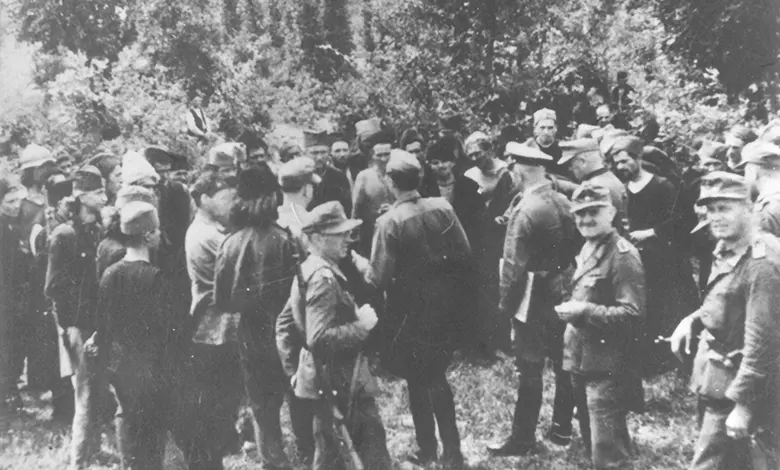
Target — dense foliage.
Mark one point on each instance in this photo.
(85, 71)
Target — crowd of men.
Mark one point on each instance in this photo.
(171, 303)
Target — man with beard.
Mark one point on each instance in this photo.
(334, 185)
(539, 250)
(546, 136)
(419, 257)
(603, 320)
(339, 155)
(761, 162)
(735, 372)
(72, 285)
(256, 147)
(655, 215)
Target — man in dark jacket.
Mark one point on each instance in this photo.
(72, 285)
(420, 258)
(334, 185)
(546, 136)
(412, 142)
(10, 259)
(603, 317)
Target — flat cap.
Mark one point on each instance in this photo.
(315, 139)
(545, 114)
(525, 154)
(723, 185)
(34, 156)
(711, 150)
(607, 137)
(88, 178)
(227, 155)
(572, 148)
(760, 153)
(402, 161)
(590, 195)
(328, 218)
(297, 173)
(137, 218)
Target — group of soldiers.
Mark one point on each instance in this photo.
(172, 303)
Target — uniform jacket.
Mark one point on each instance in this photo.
(421, 258)
(332, 335)
(540, 237)
(71, 277)
(740, 313)
(767, 210)
(334, 186)
(612, 281)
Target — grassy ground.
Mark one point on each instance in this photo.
(485, 399)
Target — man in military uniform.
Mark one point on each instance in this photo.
(735, 371)
(603, 317)
(539, 249)
(332, 372)
(421, 258)
(334, 184)
(761, 161)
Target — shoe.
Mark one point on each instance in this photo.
(422, 459)
(453, 461)
(512, 449)
(558, 439)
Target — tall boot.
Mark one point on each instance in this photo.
(421, 406)
(444, 409)
(563, 407)
(529, 403)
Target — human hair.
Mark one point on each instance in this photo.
(259, 212)
(404, 180)
(27, 178)
(114, 228)
(135, 241)
(209, 182)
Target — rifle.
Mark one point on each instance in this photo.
(346, 447)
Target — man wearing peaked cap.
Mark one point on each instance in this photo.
(540, 237)
(735, 372)
(604, 318)
(421, 260)
(334, 184)
(584, 162)
(225, 158)
(713, 156)
(761, 161)
(546, 136)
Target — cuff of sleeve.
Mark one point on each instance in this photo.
(746, 392)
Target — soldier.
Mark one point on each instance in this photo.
(413, 142)
(761, 161)
(421, 259)
(254, 271)
(735, 373)
(603, 316)
(582, 158)
(334, 185)
(333, 373)
(539, 249)
(72, 285)
(10, 259)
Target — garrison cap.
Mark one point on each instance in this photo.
(572, 148)
(297, 173)
(315, 139)
(134, 193)
(543, 115)
(328, 218)
(402, 161)
(760, 153)
(227, 155)
(528, 155)
(723, 185)
(590, 195)
(88, 178)
(137, 218)
(34, 156)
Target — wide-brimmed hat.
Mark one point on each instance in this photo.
(329, 218)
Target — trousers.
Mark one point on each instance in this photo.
(432, 403)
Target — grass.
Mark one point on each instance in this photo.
(485, 398)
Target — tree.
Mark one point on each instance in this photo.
(738, 38)
(311, 32)
(337, 27)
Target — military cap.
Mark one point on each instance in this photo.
(723, 185)
(771, 132)
(544, 114)
(628, 143)
(105, 162)
(402, 161)
(590, 195)
(760, 153)
(711, 150)
(88, 178)
(297, 173)
(34, 156)
(315, 139)
(328, 218)
(528, 155)
(572, 148)
(134, 193)
(137, 170)
(138, 218)
(256, 182)
(227, 155)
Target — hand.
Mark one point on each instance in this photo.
(90, 348)
(738, 422)
(384, 208)
(366, 317)
(682, 337)
(571, 310)
(638, 236)
(501, 220)
(361, 263)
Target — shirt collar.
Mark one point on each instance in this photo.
(731, 253)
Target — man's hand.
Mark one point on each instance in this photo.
(738, 422)
(501, 220)
(366, 317)
(571, 310)
(638, 236)
(384, 208)
(361, 263)
(90, 346)
(682, 337)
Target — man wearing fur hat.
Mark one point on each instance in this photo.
(72, 285)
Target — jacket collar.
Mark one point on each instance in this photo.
(594, 259)
(314, 263)
(411, 196)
